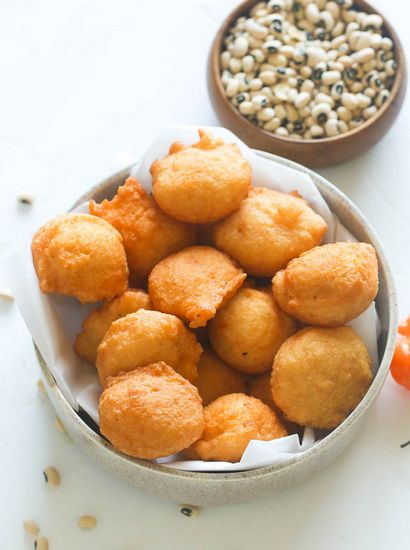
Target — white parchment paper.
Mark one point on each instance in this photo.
(53, 320)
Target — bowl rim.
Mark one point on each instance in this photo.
(319, 447)
(399, 81)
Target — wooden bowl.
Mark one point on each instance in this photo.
(311, 152)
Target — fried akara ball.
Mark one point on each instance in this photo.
(248, 331)
(194, 283)
(215, 378)
(203, 182)
(82, 256)
(269, 229)
(97, 323)
(231, 422)
(149, 234)
(320, 375)
(145, 337)
(329, 285)
(151, 412)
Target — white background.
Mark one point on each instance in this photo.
(84, 88)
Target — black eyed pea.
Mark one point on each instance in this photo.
(87, 522)
(355, 122)
(316, 131)
(255, 84)
(254, 43)
(291, 113)
(332, 56)
(224, 59)
(376, 41)
(235, 66)
(41, 543)
(295, 136)
(293, 82)
(331, 127)
(315, 55)
(31, 527)
(321, 112)
(258, 55)
(344, 113)
(309, 122)
(369, 112)
(301, 100)
(276, 5)
(280, 112)
(304, 112)
(307, 86)
(226, 77)
(256, 30)
(306, 71)
(267, 92)
(239, 98)
(287, 51)
(382, 97)
(363, 101)
(386, 43)
(330, 77)
(338, 41)
(259, 102)
(306, 25)
(376, 82)
(318, 71)
(342, 126)
(281, 131)
(360, 17)
(307, 135)
(324, 98)
(336, 66)
(337, 89)
(344, 49)
(232, 88)
(345, 60)
(272, 124)
(246, 108)
(327, 20)
(370, 65)
(240, 46)
(312, 13)
(281, 91)
(349, 100)
(348, 16)
(372, 21)
(278, 60)
(332, 114)
(356, 87)
(267, 67)
(338, 29)
(268, 77)
(248, 63)
(271, 46)
(334, 9)
(52, 476)
(364, 55)
(391, 67)
(292, 95)
(265, 114)
(369, 92)
(352, 27)
(256, 8)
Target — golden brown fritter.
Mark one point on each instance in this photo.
(194, 283)
(80, 255)
(259, 387)
(269, 229)
(99, 321)
(149, 234)
(203, 182)
(329, 285)
(320, 375)
(248, 331)
(231, 422)
(151, 412)
(215, 378)
(145, 337)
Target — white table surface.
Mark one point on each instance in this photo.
(84, 87)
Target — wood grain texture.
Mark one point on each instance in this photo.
(318, 152)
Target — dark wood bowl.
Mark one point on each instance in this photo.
(311, 152)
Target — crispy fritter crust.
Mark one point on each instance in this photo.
(80, 255)
(329, 285)
(149, 234)
(97, 323)
(194, 283)
(215, 378)
(269, 229)
(248, 331)
(231, 422)
(151, 412)
(320, 375)
(145, 337)
(203, 182)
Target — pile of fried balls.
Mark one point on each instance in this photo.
(222, 320)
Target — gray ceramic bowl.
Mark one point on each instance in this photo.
(211, 488)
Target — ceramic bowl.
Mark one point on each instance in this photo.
(214, 488)
(312, 152)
